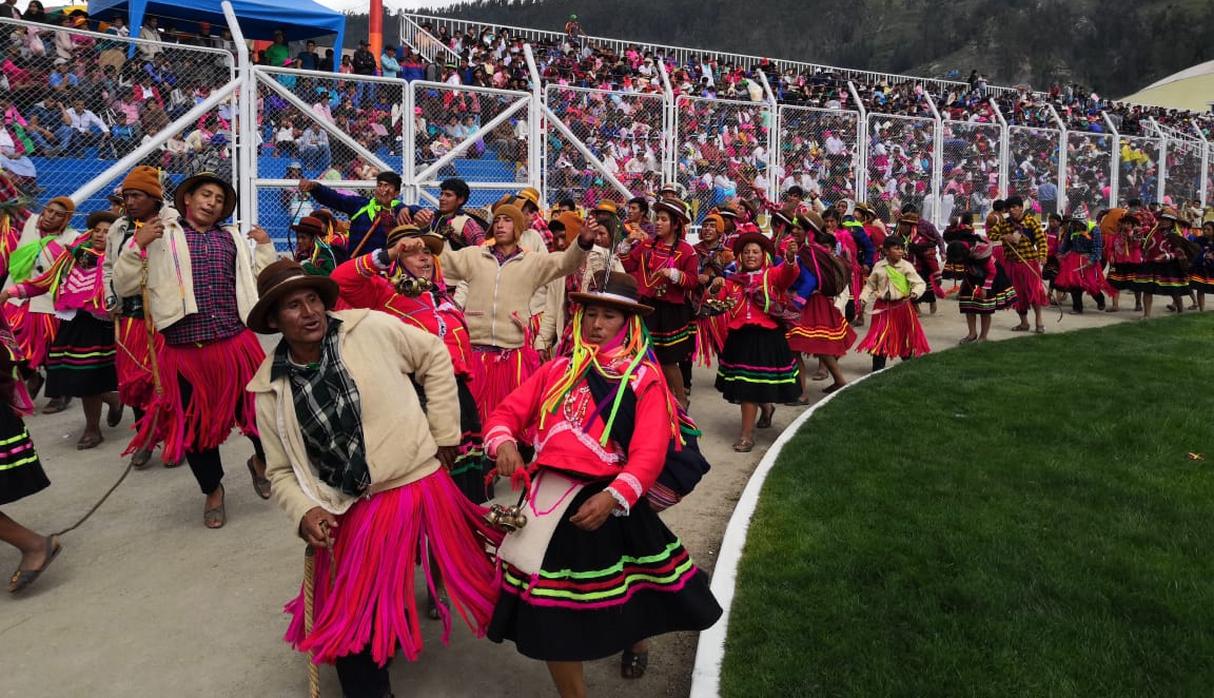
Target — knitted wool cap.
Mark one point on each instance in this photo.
(146, 179)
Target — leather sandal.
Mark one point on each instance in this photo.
(23, 578)
(88, 441)
(260, 484)
(432, 606)
(217, 516)
(765, 418)
(633, 664)
(113, 414)
(743, 445)
(56, 405)
(141, 458)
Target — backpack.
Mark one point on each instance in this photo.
(834, 275)
(1186, 250)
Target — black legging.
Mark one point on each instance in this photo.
(207, 465)
(361, 677)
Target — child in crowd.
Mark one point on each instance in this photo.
(1201, 271)
(895, 329)
(985, 288)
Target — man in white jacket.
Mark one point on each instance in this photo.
(199, 279)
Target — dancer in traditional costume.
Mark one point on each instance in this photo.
(501, 280)
(81, 358)
(1162, 252)
(1123, 248)
(595, 570)
(409, 287)
(314, 254)
(1201, 271)
(713, 258)
(1081, 262)
(143, 205)
(370, 218)
(1049, 272)
(200, 281)
(667, 270)
(922, 242)
(821, 329)
(360, 468)
(43, 238)
(21, 473)
(985, 288)
(756, 369)
(1025, 248)
(894, 284)
(962, 228)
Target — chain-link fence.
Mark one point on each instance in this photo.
(1033, 167)
(819, 150)
(901, 159)
(1138, 168)
(1183, 184)
(724, 148)
(623, 130)
(444, 116)
(1089, 166)
(74, 103)
(970, 167)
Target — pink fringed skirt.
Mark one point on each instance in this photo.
(500, 371)
(135, 386)
(379, 544)
(217, 374)
(33, 331)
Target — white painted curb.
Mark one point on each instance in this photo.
(706, 675)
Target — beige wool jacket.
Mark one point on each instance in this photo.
(380, 353)
(170, 275)
(499, 295)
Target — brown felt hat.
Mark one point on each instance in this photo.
(433, 241)
(146, 179)
(618, 290)
(192, 183)
(279, 279)
(674, 207)
(764, 242)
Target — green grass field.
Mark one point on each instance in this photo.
(1019, 518)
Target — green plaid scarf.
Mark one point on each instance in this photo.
(330, 414)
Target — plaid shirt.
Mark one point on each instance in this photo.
(1033, 244)
(213, 263)
(329, 411)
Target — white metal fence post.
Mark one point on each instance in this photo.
(940, 217)
(1114, 160)
(670, 158)
(246, 110)
(1063, 204)
(1205, 165)
(862, 168)
(535, 136)
(1005, 151)
(773, 136)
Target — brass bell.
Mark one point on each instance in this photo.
(507, 518)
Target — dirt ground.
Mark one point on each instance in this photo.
(146, 602)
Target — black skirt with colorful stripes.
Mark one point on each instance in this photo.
(673, 330)
(21, 472)
(1002, 294)
(1166, 278)
(756, 365)
(1123, 276)
(81, 358)
(600, 592)
(471, 465)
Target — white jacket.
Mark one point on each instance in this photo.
(171, 278)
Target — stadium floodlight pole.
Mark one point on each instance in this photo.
(1205, 163)
(535, 142)
(1063, 204)
(246, 115)
(332, 129)
(485, 129)
(1114, 159)
(670, 127)
(154, 142)
(862, 170)
(773, 136)
(1005, 151)
(1163, 159)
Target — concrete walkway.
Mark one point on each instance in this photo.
(146, 602)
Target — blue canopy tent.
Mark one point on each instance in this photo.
(259, 19)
